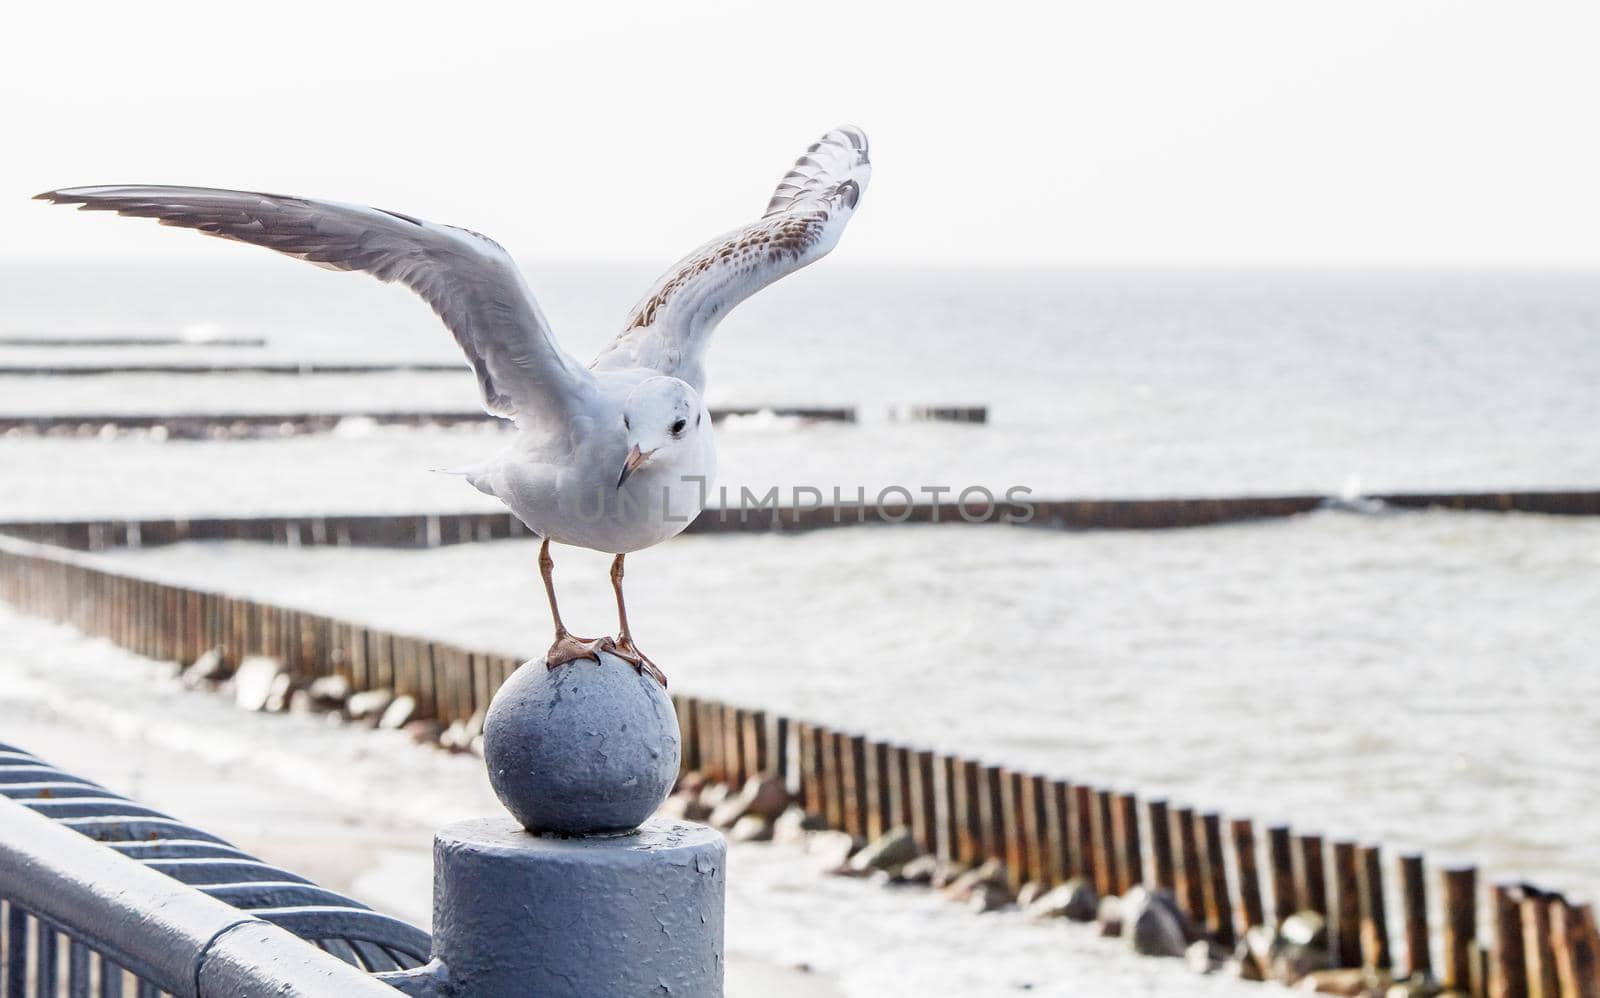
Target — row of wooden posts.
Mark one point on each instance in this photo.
(207, 425)
(425, 530)
(1229, 874)
(1049, 831)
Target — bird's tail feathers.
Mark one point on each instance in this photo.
(481, 476)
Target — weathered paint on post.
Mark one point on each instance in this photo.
(518, 914)
(581, 749)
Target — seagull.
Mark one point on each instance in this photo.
(617, 456)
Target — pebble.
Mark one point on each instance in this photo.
(252, 681)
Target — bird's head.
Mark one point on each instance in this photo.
(662, 417)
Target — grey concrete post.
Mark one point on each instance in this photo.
(570, 897)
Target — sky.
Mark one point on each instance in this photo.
(1412, 133)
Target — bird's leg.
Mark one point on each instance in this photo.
(566, 648)
(626, 649)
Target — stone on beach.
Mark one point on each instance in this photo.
(328, 692)
(713, 794)
(253, 681)
(1074, 900)
(892, 850)
(206, 671)
(1152, 925)
(398, 713)
(833, 847)
(991, 874)
(1353, 982)
(1205, 956)
(454, 737)
(989, 896)
(279, 693)
(794, 824)
(1029, 893)
(751, 828)
(685, 805)
(1415, 986)
(762, 796)
(1108, 916)
(948, 873)
(368, 705)
(1300, 948)
(1252, 958)
(921, 870)
(691, 782)
(424, 730)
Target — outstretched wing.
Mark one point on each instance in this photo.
(669, 329)
(470, 281)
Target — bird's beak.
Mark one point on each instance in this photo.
(636, 457)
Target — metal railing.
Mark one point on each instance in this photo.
(101, 895)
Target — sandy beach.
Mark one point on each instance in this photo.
(355, 809)
(381, 858)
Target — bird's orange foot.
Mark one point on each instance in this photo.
(568, 648)
(626, 650)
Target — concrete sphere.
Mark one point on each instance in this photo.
(582, 749)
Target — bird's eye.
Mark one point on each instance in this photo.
(625, 424)
(677, 427)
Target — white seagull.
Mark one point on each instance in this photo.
(617, 456)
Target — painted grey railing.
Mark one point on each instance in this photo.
(99, 894)
(578, 892)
